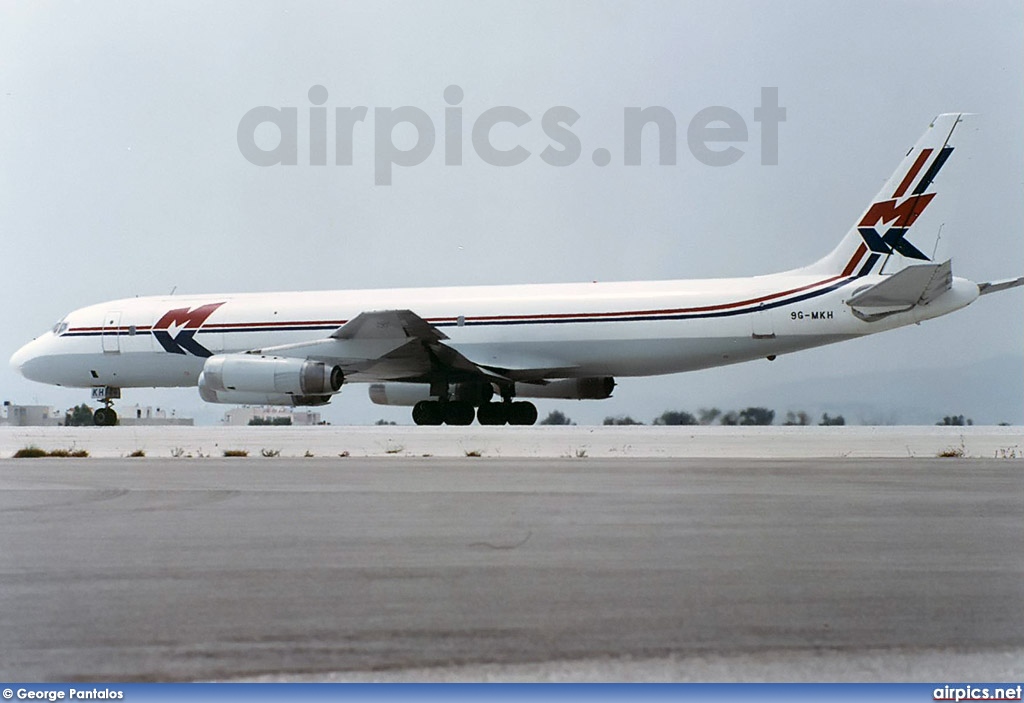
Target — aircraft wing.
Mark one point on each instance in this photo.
(914, 285)
(399, 345)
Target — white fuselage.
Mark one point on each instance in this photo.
(586, 329)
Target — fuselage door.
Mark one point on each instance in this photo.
(763, 323)
(109, 336)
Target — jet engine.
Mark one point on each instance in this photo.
(591, 388)
(246, 398)
(273, 380)
(409, 394)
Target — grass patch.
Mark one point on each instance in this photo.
(236, 452)
(138, 453)
(270, 453)
(34, 452)
(954, 452)
(473, 452)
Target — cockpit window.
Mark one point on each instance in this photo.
(60, 328)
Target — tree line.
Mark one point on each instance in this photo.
(708, 416)
(748, 416)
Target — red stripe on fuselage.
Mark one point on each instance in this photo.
(672, 311)
(227, 326)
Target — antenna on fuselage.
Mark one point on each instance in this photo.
(172, 290)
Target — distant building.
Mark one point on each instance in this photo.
(30, 415)
(16, 415)
(139, 415)
(273, 414)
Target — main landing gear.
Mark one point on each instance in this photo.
(105, 416)
(460, 412)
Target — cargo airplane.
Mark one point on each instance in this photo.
(455, 354)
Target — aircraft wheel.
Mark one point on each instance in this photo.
(427, 412)
(522, 414)
(492, 414)
(104, 417)
(458, 412)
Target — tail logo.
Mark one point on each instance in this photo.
(885, 225)
(176, 330)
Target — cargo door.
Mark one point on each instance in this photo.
(109, 336)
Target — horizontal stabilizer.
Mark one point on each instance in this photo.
(996, 286)
(914, 285)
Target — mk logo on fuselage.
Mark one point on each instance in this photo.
(176, 330)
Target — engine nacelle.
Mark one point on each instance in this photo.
(397, 393)
(591, 388)
(245, 398)
(275, 375)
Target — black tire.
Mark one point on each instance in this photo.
(492, 414)
(104, 417)
(427, 412)
(522, 414)
(458, 412)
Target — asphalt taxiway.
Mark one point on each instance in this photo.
(184, 569)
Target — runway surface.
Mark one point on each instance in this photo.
(538, 442)
(161, 569)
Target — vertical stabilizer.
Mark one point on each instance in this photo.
(886, 227)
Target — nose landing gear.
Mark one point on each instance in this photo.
(105, 416)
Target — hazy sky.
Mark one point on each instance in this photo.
(121, 172)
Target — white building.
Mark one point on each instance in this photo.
(30, 415)
(139, 415)
(271, 414)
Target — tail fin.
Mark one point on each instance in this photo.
(881, 232)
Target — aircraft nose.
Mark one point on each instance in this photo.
(21, 360)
